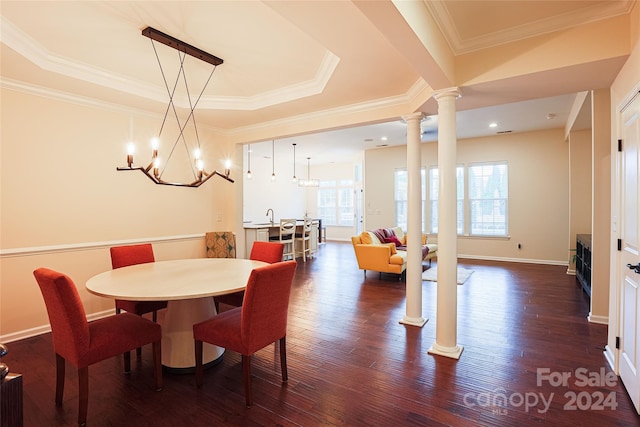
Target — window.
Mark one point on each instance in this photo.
(488, 198)
(434, 184)
(484, 202)
(400, 191)
(335, 202)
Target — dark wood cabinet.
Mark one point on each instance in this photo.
(583, 261)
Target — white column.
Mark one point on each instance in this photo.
(447, 305)
(413, 314)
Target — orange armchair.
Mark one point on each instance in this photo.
(83, 344)
(261, 320)
(270, 252)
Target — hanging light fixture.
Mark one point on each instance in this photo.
(294, 179)
(308, 182)
(196, 166)
(249, 162)
(273, 160)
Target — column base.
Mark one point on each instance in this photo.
(414, 321)
(452, 352)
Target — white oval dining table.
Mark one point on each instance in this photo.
(188, 286)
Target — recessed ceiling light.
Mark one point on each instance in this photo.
(493, 125)
(384, 138)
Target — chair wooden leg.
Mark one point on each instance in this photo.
(283, 360)
(198, 356)
(60, 370)
(157, 364)
(138, 352)
(154, 316)
(246, 374)
(127, 361)
(83, 395)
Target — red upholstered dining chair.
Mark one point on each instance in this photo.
(270, 252)
(261, 320)
(123, 256)
(83, 343)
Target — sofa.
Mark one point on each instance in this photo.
(383, 250)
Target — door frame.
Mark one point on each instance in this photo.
(611, 353)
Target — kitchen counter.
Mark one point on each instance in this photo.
(262, 231)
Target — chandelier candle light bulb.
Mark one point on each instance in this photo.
(131, 148)
(155, 144)
(156, 166)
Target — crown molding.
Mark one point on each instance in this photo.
(594, 13)
(277, 96)
(416, 90)
(17, 40)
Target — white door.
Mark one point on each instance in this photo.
(630, 255)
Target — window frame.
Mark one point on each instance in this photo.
(464, 202)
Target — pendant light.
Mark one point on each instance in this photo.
(308, 182)
(249, 162)
(273, 160)
(294, 179)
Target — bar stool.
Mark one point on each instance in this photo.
(285, 236)
(305, 238)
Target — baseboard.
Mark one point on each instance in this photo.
(602, 320)
(44, 329)
(610, 356)
(505, 259)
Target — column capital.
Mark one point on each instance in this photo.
(413, 116)
(447, 93)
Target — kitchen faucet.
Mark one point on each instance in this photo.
(271, 214)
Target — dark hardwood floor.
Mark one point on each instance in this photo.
(351, 363)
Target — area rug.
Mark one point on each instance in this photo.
(432, 274)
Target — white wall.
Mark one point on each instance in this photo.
(580, 186)
(538, 193)
(64, 203)
(287, 199)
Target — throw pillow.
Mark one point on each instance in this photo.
(393, 239)
(365, 238)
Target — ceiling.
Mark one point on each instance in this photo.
(309, 69)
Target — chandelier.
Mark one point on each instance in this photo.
(308, 182)
(155, 169)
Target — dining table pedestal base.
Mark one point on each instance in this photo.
(178, 346)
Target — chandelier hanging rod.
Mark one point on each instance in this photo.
(173, 42)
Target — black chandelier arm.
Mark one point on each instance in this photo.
(197, 183)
